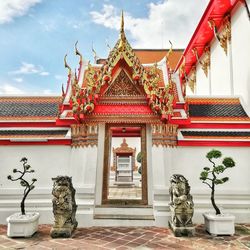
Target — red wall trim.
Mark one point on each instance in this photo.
(28, 124)
(217, 125)
(214, 143)
(65, 142)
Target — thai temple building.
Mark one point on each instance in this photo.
(125, 124)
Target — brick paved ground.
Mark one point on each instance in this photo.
(141, 238)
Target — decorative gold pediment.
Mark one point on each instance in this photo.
(122, 85)
(122, 75)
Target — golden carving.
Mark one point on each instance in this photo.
(160, 99)
(122, 86)
(225, 35)
(192, 79)
(84, 135)
(164, 135)
(169, 53)
(205, 62)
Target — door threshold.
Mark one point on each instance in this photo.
(124, 206)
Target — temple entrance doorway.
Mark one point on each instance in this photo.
(125, 165)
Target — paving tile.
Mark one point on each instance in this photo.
(126, 238)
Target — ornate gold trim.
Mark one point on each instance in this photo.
(225, 35)
(84, 135)
(164, 135)
(205, 62)
(192, 79)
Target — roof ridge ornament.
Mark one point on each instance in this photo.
(77, 52)
(66, 65)
(170, 51)
(122, 34)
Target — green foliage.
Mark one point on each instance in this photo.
(219, 169)
(139, 157)
(209, 176)
(204, 175)
(228, 162)
(214, 154)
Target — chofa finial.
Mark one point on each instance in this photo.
(77, 51)
(66, 64)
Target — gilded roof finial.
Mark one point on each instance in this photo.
(122, 34)
(94, 54)
(66, 64)
(78, 52)
(170, 50)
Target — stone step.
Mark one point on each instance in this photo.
(123, 217)
(111, 220)
(124, 210)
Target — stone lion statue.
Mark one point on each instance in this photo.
(64, 207)
(181, 201)
(179, 191)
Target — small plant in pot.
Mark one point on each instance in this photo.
(23, 224)
(218, 223)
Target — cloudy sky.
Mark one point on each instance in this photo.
(36, 34)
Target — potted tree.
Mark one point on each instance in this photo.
(23, 224)
(218, 223)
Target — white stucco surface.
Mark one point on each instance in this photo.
(240, 54)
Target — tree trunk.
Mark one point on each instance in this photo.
(22, 202)
(217, 210)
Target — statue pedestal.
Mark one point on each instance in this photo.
(62, 232)
(182, 231)
(181, 221)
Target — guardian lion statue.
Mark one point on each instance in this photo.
(64, 207)
(181, 206)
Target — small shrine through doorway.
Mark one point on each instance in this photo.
(124, 179)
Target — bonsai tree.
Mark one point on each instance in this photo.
(28, 186)
(210, 176)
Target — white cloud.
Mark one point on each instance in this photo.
(29, 68)
(18, 79)
(60, 77)
(44, 73)
(9, 9)
(173, 20)
(47, 92)
(8, 89)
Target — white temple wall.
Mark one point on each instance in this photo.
(229, 74)
(233, 196)
(203, 82)
(220, 70)
(48, 162)
(241, 53)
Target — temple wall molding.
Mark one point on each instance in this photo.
(84, 135)
(164, 135)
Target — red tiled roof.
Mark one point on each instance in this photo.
(155, 55)
(216, 109)
(29, 108)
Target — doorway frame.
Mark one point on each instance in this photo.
(106, 163)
